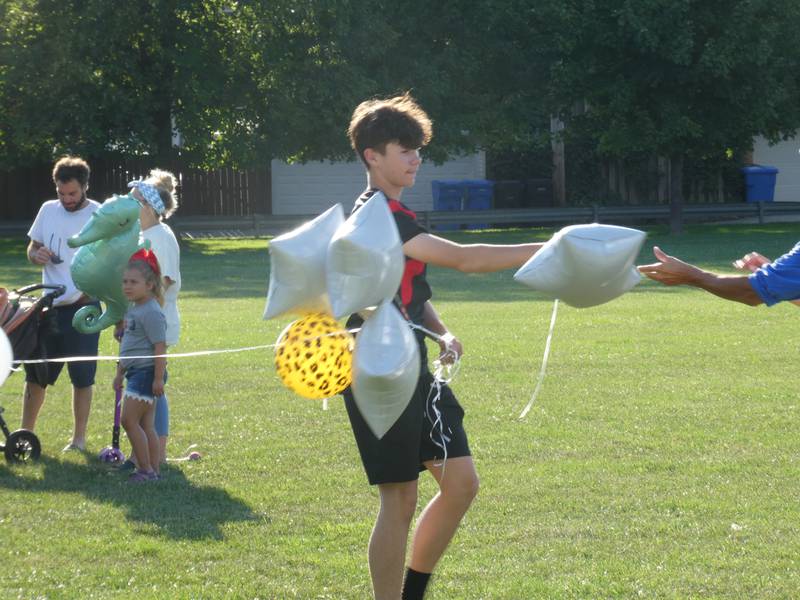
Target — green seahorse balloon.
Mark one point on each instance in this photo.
(106, 243)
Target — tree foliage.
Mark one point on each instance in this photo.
(244, 81)
(677, 76)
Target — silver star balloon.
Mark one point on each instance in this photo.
(297, 266)
(365, 259)
(585, 265)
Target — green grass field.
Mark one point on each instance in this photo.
(659, 461)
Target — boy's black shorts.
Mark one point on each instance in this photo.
(400, 454)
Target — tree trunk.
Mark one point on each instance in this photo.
(559, 168)
(676, 194)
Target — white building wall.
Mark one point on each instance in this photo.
(786, 157)
(310, 188)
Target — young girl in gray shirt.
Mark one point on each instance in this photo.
(142, 362)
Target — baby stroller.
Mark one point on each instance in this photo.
(25, 320)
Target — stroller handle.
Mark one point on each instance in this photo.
(42, 286)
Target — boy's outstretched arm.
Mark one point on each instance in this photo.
(673, 271)
(468, 258)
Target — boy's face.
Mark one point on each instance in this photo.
(397, 166)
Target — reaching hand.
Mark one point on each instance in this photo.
(752, 261)
(669, 270)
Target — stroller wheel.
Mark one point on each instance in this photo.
(21, 446)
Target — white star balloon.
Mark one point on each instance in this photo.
(297, 266)
(365, 259)
(585, 265)
(386, 366)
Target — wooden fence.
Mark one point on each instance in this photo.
(222, 192)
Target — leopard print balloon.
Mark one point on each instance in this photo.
(314, 357)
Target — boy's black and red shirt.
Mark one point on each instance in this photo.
(414, 289)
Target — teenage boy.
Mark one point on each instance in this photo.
(387, 136)
(56, 222)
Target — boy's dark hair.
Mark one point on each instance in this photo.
(377, 122)
(71, 167)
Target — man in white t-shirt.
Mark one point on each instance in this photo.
(56, 222)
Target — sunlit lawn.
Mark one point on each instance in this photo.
(659, 461)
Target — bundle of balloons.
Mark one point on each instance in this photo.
(331, 267)
(325, 270)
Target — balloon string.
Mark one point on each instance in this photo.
(69, 359)
(443, 373)
(437, 424)
(544, 361)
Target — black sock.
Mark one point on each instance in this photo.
(414, 584)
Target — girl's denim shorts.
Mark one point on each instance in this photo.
(140, 383)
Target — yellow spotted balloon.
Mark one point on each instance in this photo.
(314, 357)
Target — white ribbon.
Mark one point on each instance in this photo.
(443, 373)
(544, 361)
(69, 359)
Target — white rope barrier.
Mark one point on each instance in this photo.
(68, 359)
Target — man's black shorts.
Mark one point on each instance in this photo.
(63, 342)
(413, 439)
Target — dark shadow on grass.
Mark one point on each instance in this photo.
(232, 273)
(179, 508)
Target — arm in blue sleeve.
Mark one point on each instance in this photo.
(779, 280)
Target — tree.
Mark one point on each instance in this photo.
(91, 76)
(685, 79)
(244, 81)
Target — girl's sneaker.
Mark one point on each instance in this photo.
(128, 465)
(142, 476)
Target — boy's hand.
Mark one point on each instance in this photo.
(450, 349)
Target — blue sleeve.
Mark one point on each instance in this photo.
(779, 280)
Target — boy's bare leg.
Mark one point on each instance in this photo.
(438, 522)
(387, 545)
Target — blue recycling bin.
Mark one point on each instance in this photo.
(478, 195)
(759, 181)
(448, 194)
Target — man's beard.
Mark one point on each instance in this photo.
(79, 205)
